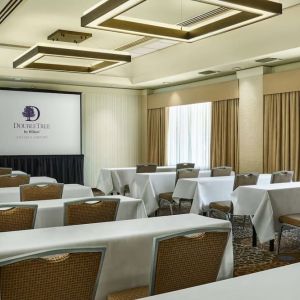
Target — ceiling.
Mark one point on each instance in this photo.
(156, 62)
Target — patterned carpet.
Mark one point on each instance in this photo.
(248, 259)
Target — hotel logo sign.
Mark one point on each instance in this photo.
(31, 113)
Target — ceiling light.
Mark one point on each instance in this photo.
(70, 59)
(230, 14)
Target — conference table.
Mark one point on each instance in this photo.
(12, 194)
(276, 284)
(265, 204)
(148, 186)
(203, 191)
(50, 213)
(114, 179)
(16, 172)
(128, 257)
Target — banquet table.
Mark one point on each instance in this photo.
(12, 194)
(50, 213)
(148, 186)
(276, 284)
(42, 179)
(16, 172)
(266, 203)
(203, 191)
(114, 179)
(127, 262)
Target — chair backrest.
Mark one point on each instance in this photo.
(41, 191)
(94, 210)
(187, 259)
(147, 168)
(245, 179)
(5, 171)
(282, 177)
(17, 217)
(13, 180)
(221, 171)
(187, 173)
(185, 166)
(58, 274)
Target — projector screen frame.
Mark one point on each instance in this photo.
(51, 92)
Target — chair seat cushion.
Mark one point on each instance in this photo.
(166, 196)
(224, 206)
(292, 219)
(131, 294)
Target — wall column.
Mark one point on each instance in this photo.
(251, 97)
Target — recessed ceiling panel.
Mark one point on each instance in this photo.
(181, 20)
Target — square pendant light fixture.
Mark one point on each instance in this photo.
(208, 17)
(70, 59)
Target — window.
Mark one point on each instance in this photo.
(189, 134)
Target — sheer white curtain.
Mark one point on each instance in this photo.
(189, 134)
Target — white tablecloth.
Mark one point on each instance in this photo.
(16, 172)
(12, 194)
(203, 191)
(51, 212)
(276, 284)
(42, 179)
(114, 179)
(266, 203)
(127, 261)
(148, 186)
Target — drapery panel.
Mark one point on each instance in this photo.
(189, 134)
(224, 140)
(157, 136)
(64, 168)
(282, 132)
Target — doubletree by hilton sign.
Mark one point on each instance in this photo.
(31, 115)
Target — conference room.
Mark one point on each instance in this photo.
(149, 149)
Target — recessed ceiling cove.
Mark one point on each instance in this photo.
(180, 20)
(70, 59)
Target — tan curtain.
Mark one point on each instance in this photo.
(282, 132)
(157, 136)
(224, 136)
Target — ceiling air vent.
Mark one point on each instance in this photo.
(267, 60)
(208, 72)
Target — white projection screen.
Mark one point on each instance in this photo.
(39, 123)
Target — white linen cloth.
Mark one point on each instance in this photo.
(148, 186)
(42, 179)
(12, 194)
(16, 172)
(276, 284)
(203, 191)
(114, 179)
(127, 262)
(50, 213)
(266, 204)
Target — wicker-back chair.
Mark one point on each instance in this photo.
(94, 210)
(17, 217)
(226, 207)
(245, 179)
(13, 180)
(221, 171)
(41, 191)
(59, 274)
(5, 171)
(185, 166)
(146, 168)
(168, 197)
(180, 261)
(282, 177)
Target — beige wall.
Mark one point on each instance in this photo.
(205, 93)
(112, 125)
